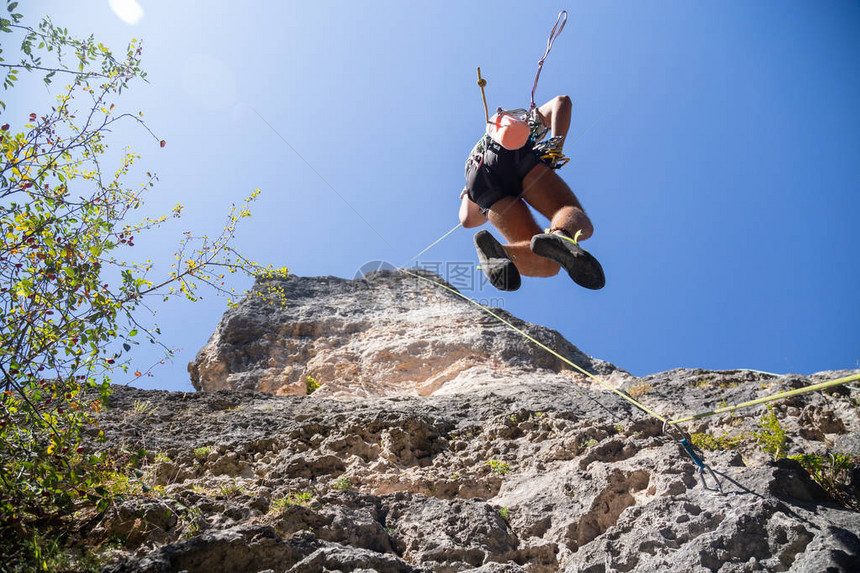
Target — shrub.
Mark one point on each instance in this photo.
(771, 437)
(69, 287)
(311, 384)
(833, 473)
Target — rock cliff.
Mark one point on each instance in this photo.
(440, 441)
(388, 334)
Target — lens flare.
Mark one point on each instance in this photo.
(129, 11)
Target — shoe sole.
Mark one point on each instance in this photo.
(497, 266)
(581, 265)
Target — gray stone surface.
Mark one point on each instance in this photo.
(529, 469)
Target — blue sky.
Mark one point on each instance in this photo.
(715, 145)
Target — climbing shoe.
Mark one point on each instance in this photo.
(495, 262)
(582, 267)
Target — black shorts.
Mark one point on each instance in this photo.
(500, 174)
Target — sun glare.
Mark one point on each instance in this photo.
(129, 11)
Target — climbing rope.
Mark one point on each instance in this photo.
(667, 422)
(436, 242)
(483, 83)
(556, 31)
(541, 345)
(778, 396)
(668, 425)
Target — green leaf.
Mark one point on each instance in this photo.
(12, 6)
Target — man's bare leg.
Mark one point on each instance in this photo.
(551, 197)
(513, 219)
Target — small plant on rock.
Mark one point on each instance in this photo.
(279, 504)
(311, 384)
(303, 498)
(189, 517)
(706, 441)
(499, 467)
(230, 489)
(343, 484)
(587, 443)
(202, 452)
(771, 437)
(142, 407)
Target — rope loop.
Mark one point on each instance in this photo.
(553, 35)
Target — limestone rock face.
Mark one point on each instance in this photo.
(438, 442)
(544, 478)
(386, 334)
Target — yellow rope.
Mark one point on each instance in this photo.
(482, 82)
(541, 344)
(778, 396)
(437, 241)
(666, 422)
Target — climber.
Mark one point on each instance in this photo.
(512, 168)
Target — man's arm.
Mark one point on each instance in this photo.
(556, 114)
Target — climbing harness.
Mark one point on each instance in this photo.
(508, 127)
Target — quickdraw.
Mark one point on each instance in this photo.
(684, 440)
